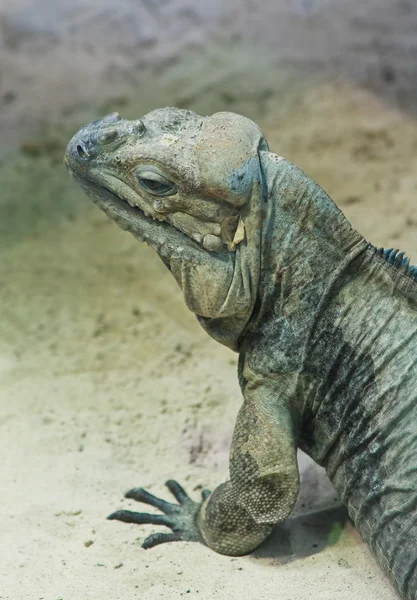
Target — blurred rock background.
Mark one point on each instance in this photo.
(60, 57)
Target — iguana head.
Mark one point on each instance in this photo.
(191, 187)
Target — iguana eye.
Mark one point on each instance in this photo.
(154, 187)
(154, 183)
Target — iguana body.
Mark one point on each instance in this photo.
(325, 325)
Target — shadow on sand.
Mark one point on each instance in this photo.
(304, 535)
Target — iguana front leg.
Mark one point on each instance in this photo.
(240, 513)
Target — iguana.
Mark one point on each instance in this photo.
(325, 325)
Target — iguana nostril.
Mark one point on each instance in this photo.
(82, 152)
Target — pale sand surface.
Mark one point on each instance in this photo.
(107, 381)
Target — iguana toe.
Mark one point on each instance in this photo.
(180, 518)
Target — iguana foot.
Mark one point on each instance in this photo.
(181, 518)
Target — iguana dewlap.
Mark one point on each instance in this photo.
(325, 325)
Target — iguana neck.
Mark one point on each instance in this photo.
(306, 240)
(303, 230)
(306, 249)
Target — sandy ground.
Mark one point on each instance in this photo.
(107, 381)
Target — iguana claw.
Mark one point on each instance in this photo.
(180, 518)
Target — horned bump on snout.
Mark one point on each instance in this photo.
(89, 141)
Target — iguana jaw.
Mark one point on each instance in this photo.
(143, 225)
(126, 208)
(192, 266)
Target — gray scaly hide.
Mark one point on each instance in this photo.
(325, 325)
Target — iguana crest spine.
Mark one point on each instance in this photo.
(398, 260)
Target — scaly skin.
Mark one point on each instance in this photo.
(325, 326)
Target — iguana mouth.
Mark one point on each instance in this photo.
(229, 233)
(131, 218)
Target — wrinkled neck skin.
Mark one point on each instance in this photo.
(307, 246)
(244, 275)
